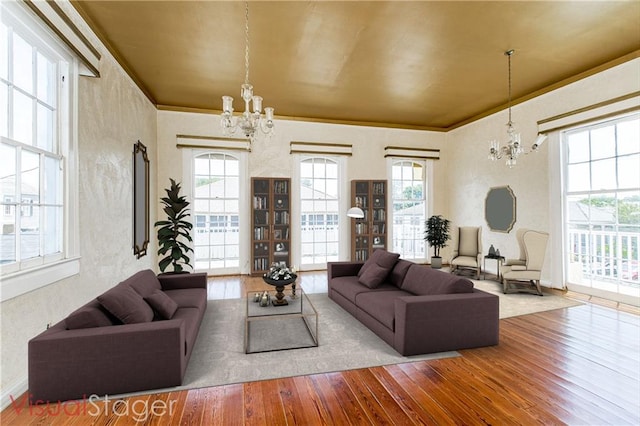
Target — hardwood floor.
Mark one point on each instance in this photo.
(579, 365)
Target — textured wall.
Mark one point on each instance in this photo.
(112, 115)
(271, 158)
(535, 179)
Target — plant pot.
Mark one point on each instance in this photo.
(436, 262)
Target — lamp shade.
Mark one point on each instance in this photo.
(355, 212)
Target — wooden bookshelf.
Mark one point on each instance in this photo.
(370, 232)
(271, 219)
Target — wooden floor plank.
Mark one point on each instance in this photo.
(578, 365)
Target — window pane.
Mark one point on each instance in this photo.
(629, 137)
(52, 181)
(29, 231)
(4, 110)
(52, 230)
(22, 118)
(603, 143)
(629, 172)
(8, 171)
(603, 174)
(45, 128)
(30, 178)
(578, 147)
(46, 80)
(201, 165)
(4, 52)
(8, 235)
(629, 211)
(579, 177)
(22, 64)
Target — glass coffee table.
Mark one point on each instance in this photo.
(275, 328)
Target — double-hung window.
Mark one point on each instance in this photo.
(35, 80)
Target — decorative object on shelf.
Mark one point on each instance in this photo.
(437, 234)
(498, 253)
(492, 251)
(248, 122)
(173, 231)
(256, 297)
(513, 148)
(355, 212)
(279, 276)
(293, 290)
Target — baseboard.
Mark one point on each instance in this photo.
(14, 391)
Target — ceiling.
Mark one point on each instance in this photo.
(427, 65)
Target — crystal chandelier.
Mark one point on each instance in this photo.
(249, 121)
(513, 148)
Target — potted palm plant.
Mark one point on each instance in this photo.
(173, 231)
(437, 234)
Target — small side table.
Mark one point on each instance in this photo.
(499, 261)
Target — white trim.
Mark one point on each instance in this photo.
(59, 22)
(22, 282)
(15, 391)
(582, 117)
(412, 153)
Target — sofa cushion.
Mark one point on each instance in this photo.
(89, 316)
(380, 305)
(162, 304)
(126, 305)
(377, 267)
(399, 271)
(423, 280)
(189, 297)
(349, 287)
(143, 282)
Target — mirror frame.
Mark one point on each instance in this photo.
(500, 209)
(140, 200)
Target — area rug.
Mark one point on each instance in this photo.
(515, 304)
(344, 344)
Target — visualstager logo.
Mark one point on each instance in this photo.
(94, 405)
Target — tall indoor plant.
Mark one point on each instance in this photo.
(437, 234)
(174, 231)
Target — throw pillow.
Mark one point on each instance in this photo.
(165, 306)
(87, 317)
(377, 267)
(126, 305)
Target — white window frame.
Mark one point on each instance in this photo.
(428, 196)
(630, 295)
(20, 278)
(244, 220)
(343, 205)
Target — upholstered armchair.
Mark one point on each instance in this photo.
(523, 274)
(468, 252)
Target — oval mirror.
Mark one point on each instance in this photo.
(500, 209)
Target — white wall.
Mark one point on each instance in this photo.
(112, 115)
(271, 158)
(535, 180)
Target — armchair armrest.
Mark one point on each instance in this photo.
(180, 281)
(343, 269)
(445, 322)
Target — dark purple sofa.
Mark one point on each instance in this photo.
(137, 336)
(414, 308)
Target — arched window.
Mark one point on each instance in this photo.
(216, 212)
(319, 211)
(408, 181)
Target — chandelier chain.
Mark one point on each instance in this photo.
(246, 43)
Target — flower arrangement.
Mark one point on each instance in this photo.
(280, 272)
